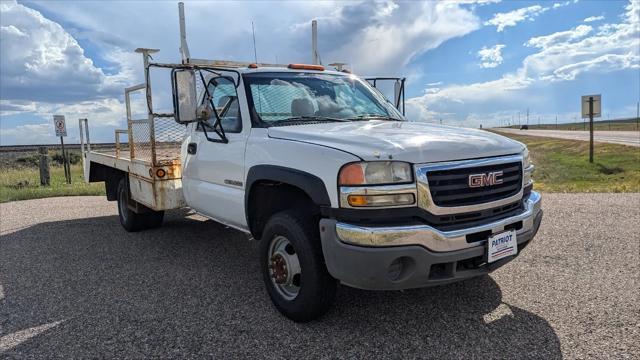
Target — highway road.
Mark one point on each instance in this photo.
(631, 138)
(74, 284)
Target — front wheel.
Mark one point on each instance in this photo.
(130, 220)
(293, 267)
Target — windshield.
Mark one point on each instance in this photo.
(289, 98)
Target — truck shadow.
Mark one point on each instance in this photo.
(193, 288)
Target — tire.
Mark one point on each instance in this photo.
(130, 220)
(316, 288)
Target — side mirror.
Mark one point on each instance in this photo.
(185, 101)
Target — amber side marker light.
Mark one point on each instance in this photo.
(161, 173)
(306, 67)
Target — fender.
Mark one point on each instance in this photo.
(310, 184)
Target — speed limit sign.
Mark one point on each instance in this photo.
(60, 126)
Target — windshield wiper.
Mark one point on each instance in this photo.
(306, 120)
(373, 117)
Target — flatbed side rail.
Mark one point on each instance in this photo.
(118, 142)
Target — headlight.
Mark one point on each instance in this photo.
(375, 173)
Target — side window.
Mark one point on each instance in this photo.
(225, 100)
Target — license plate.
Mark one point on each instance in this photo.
(501, 245)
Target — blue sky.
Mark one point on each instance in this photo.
(467, 63)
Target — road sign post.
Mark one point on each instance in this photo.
(61, 131)
(45, 178)
(591, 129)
(591, 107)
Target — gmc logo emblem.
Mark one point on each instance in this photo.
(488, 179)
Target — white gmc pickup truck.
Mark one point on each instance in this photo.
(326, 173)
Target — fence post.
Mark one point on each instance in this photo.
(45, 178)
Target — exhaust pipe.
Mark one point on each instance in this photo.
(184, 48)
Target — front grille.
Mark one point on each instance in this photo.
(451, 187)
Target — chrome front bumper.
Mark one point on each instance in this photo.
(432, 238)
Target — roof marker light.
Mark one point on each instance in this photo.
(306, 67)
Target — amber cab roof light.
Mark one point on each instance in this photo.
(306, 67)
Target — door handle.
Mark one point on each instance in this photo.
(192, 148)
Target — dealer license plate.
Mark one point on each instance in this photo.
(501, 245)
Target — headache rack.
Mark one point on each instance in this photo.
(148, 149)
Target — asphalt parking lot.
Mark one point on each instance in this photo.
(74, 284)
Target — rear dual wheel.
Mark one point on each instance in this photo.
(293, 267)
(130, 220)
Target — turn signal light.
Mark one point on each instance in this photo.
(380, 200)
(161, 173)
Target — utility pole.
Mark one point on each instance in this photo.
(556, 121)
(527, 116)
(638, 115)
(519, 123)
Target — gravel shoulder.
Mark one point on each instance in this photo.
(74, 284)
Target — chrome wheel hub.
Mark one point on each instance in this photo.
(284, 267)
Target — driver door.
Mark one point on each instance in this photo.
(213, 171)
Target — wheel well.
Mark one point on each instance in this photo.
(267, 197)
(110, 176)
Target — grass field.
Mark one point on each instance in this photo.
(21, 183)
(563, 166)
(613, 125)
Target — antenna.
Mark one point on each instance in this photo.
(184, 48)
(255, 53)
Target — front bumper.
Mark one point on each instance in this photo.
(391, 258)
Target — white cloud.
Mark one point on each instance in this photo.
(603, 63)
(376, 38)
(561, 56)
(594, 18)
(512, 18)
(491, 57)
(564, 55)
(28, 134)
(46, 70)
(559, 37)
(559, 5)
(8, 107)
(42, 62)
